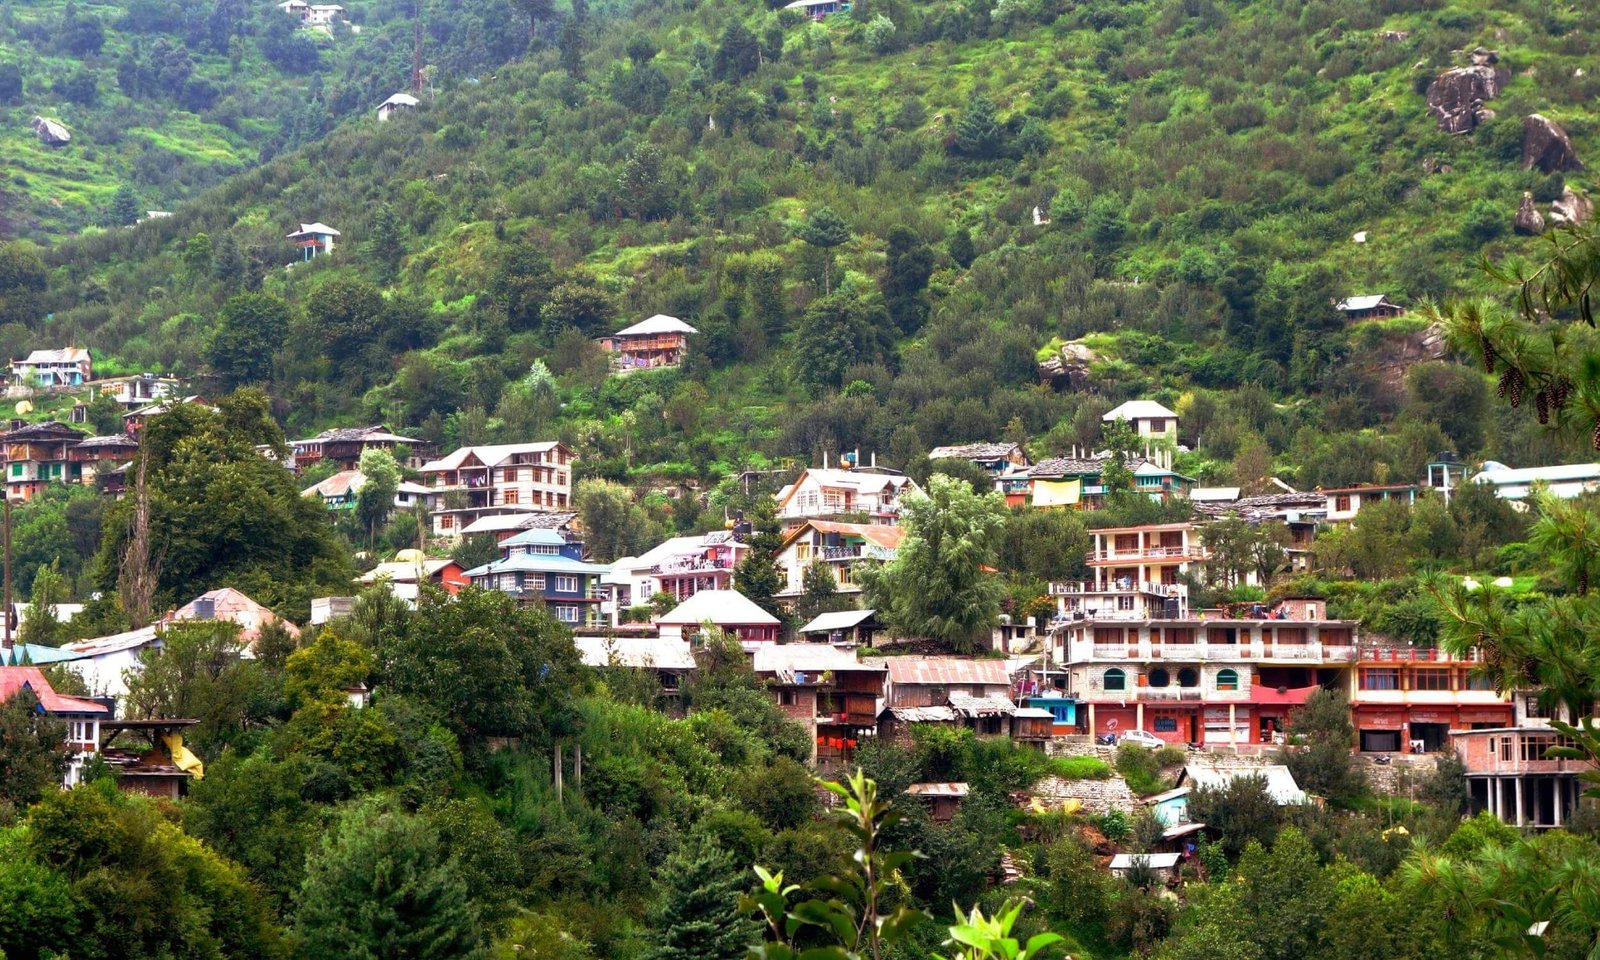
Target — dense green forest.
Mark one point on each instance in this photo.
(845, 209)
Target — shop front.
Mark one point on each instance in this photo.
(1381, 729)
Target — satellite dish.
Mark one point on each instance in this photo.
(24, 408)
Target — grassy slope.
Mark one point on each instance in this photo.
(1330, 156)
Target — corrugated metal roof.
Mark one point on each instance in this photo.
(923, 714)
(946, 670)
(993, 705)
(1281, 785)
(839, 620)
(938, 789)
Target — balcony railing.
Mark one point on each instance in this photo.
(1071, 588)
(1414, 655)
(1190, 551)
(841, 553)
(699, 565)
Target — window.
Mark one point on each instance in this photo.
(566, 584)
(1385, 678)
(511, 494)
(1533, 748)
(1160, 678)
(445, 523)
(1477, 681)
(1532, 708)
(1505, 749)
(786, 697)
(1165, 724)
(1227, 679)
(1431, 678)
(1188, 677)
(1116, 679)
(1341, 503)
(1158, 425)
(1124, 602)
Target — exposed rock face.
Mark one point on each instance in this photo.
(1456, 97)
(1068, 369)
(1572, 208)
(1546, 146)
(50, 132)
(1529, 221)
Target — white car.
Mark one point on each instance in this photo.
(1143, 738)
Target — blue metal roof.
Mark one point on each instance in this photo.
(536, 538)
(536, 563)
(33, 654)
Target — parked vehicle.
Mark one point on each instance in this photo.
(1144, 738)
(1106, 739)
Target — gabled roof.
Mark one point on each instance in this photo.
(840, 620)
(881, 535)
(660, 323)
(788, 659)
(51, 430)
(490, 456)
(535, 563)
(864, 480)
(377, 433)
(405, 571)
(400, 100)
(233, 605)
(114, 441)
(114, 643)
(1138, 410)
(943, 671)
(973, 451)
(718, 607)
(991, 705)
(1056, 467)
(640, 652)
(341, 484)
(312, 229)
(13, 679)
(1281, 785)
(1364, 302)
(34, 654)
(63, 355)
(525, 517)
(1498, 473)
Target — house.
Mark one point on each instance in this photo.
(155, 762)
(838, 546)
(1510, 775)
(51, 133)
(1565, 481)
(342, 491)
(324, 15)
(818, 9)
(1164, 865)
(1146, 417)
(680, 566)
(508, 478)
(328, 609)
(943, 800)
(409, 569)
(134, 420)
(831, 692)
(1280, 783)
(100, 458)
(1301, 512)
(104, 663)
(1169, 808)
(657, 342)
(1078, 481)
(1412, 699)
(81, 717)
(545, 567)
(345, 445)
(670, 660)
(1343, 503)
(505, 525)
(232, 605)
(50, 369)
(137, 391)
(1376, 306)
(845, 628)
(1138, 573)
(846, 492)
(954, 691)
(313, 239)
(995, 458)
(396, 103)
(37, 455)
(297, 8)
(727, 610)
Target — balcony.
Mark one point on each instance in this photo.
(696, 565)
(1191, 551)
(1075, 588)
(1412, 655)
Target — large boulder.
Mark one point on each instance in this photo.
(50, 132)
(1546, 146)
(1529, 221)
(1572, 208)
(1456, 97)
(1069, 368)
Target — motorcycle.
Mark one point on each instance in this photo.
(1106, 739)
(1381, 759)
(1196, 747)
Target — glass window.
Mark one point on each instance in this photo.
(565, 584)
(1116, 679)
(1165, 724)
(1385, 678)
(1227, 679)
(1431, 678)
(1533, 748)
(1341, 503)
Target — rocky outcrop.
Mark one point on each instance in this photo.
(1457, 96)
(50, 132)
(1529, 221)
(1546, 146)
(1572, 208)
(1069, 368)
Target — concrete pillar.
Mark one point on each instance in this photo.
(1233, 727)
(1092, 728)
(1492, 796)
(1138, 715)
(1517, 784)
(1557, 789)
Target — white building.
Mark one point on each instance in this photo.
(396, 103)
(511, 478)
(1148, 418)
(1565, 481)
(822, 493)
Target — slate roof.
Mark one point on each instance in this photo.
(973, 451)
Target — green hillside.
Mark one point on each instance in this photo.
(1203, 168)
(165, 98)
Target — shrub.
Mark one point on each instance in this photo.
(1080, 768)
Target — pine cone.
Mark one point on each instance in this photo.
(1488, 355)
(1560, 389)
(1504, 385)
(1541, 406)
(1594, 440)
(1516, 388)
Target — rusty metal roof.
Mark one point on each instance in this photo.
(947, 670)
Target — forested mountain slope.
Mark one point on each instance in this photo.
(163, 98)
(852, 213)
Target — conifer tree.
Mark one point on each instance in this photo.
(698, 917)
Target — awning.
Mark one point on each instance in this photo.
(1181, 830)
(1057, 493)
(1281, 696)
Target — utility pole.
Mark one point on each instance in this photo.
(8, 570)
(416, 51)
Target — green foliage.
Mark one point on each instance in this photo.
(250, 330)
(31, 761)
(698, 916)
(614, 525)
(1242, 812)
(1325, 767)
(40, 625)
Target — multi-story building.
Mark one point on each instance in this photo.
(476, 482)
(37, 455)
(838, 546)
(870, 493)
(655, 343)
(81, 718)
(1079, 481)
(545, 567)
(50, 369)
(1409, 699)
(1510, 773)
(680, 566)
(832, 692)
(345, 446)
(726, 610)
(1343, 503)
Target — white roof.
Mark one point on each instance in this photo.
(517, 517)
(842, 620)
(400, 100)
(1214, 494)
(660, 323)
(64, 355)
(1366, 302)
(787, 659)
(115, 643)
(1500, 474)
(1138, 410)
(1156, 861)
(865, 481)
(314, 229)
(656, 652)
(404, 571)
(492, 455)
(1280, 782)
(718, 607)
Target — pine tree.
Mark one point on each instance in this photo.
(227, 264)
(978, 131)
(698, 917)
(822, 231)
(386, 244)
(124, 208)
(757, 576)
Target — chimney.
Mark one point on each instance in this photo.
(824, 459)
(874, 458)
